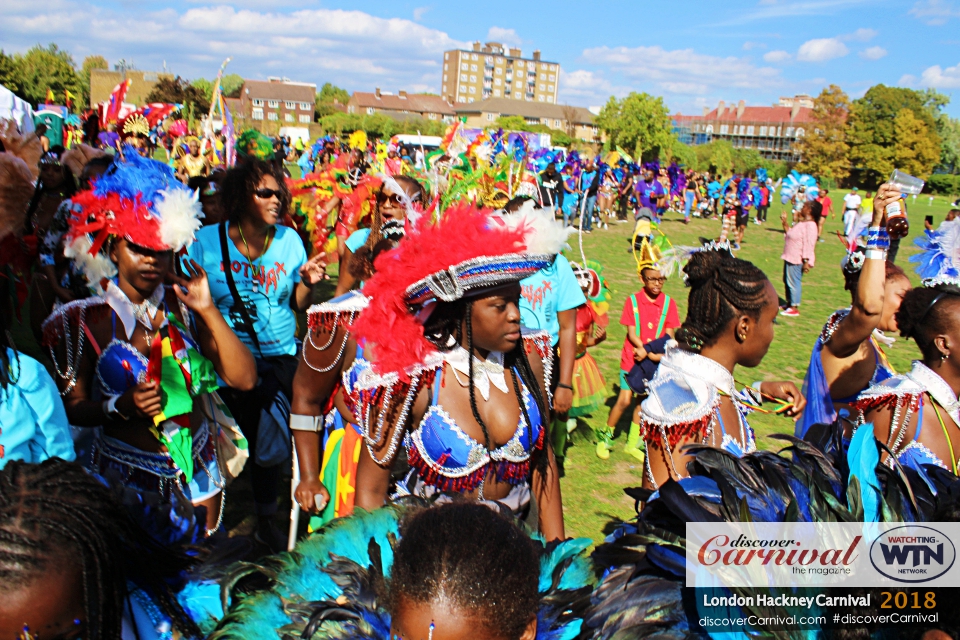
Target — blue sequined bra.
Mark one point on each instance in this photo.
(445, 457)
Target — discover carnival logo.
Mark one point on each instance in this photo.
(912, 553)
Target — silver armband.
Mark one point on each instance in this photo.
(300, 422)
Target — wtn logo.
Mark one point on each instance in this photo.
(912, 554)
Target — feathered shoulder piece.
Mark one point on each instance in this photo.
(340, 310)
(331, 586)
(938, 261)
(902, 393)
(467, 251)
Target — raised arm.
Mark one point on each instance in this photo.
(867, 306)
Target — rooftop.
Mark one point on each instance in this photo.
(403, 101)
(526, 109)
(276, 89)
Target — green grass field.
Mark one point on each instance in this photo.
(593, 488)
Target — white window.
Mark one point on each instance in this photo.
(763, 130)
(464, 66)
(473, 67)
(521, 64)
(371, 111)
(288, 117)
(496, 93)
(540, 98)
(788, 132)
(446, 56)
(273, 104)
(550, 88)
(257, 102)
(543, 87)
(553, 78)
(709, 128)
(491, 117)
(724, 128)
(445, 65)
(800, 132)
(549, 98)
(470, 100)
(257, 114)
(750, 130)
(444, 77)
(517, 95)
(463, 89)
(473, 89)
(273, 115)
(290, 105)
(556, 124)
(463, 77)
(304, 118)
(496, 81)
(473, 78)
(431, 116)
(473, 56)
(489, 59)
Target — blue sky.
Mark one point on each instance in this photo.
(692, 53)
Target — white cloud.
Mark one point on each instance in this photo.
(749, 46)
(940, 78)
(935, 11)
(860, 35)
(504, 36)
(683, 71)
(776, 56)
(353, 49)
(821, 50)
(873, 53)
(419, 12)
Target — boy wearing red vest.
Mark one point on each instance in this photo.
(648, 315)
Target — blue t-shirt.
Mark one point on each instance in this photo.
(548, 292)
(278, 272)
(647, 192)
(357, 239)
(33, 423)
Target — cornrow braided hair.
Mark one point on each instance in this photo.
(721, 287)
(56, 511)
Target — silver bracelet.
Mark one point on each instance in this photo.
(876, 254)
(300, 422)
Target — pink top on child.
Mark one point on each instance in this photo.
(800, 242)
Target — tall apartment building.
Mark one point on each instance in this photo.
(492, 70)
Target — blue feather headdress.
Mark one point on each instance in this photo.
(939, 259)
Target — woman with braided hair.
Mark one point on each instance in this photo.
(451, 376)
(74, 564)
(917, 414)
(693, 397)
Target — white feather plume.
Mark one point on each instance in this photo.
(180, 213)
(543, 234)
(95, 266)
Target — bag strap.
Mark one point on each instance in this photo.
(246, 324)
(663, 315)
(636, 313)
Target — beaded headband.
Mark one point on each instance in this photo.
(475, 274)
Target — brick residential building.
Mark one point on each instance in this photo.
(772, 131)
(401, 106)
(577, 122)
(277, 101)
(103, 81)
(495, 71)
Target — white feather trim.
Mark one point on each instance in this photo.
(543, 234)
(95, 267)
(179, 211)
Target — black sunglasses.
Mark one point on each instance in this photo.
(266, 194)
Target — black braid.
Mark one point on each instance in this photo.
(518, 358)
(473, 392)
(55, 512)
(721, 287)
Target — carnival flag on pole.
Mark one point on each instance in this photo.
(116, 101)
(68, 98)
(230, 152)
(49, 99)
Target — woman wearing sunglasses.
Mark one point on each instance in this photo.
(259, 277)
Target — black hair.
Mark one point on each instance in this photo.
(473, 558)
(721, 287)
(448, 321)
(923, 316)
(69, 187)
(198, 183)
(515, 203)
(852, 278)
(361, 265)
(236, 190)
(54, 513)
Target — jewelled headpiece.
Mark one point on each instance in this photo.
(938, 262)
(136, 125)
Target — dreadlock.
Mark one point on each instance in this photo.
(472, 557)
(721, 287)
(55, 512)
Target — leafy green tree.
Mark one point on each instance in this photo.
(49, 67)
(949, 145)
(915, 150)
(204, 86)
(330, 100)
(178, 90)
(872, 134)
(511, 123)
(89, 64)
(231, 84)
(10, 75)
(824, 147)
(640, 122)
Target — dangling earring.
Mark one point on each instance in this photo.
(943, 356)
(742, 336)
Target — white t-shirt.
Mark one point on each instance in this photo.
(851, 201)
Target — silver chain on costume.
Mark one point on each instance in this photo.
(74, 356)
(333, 334)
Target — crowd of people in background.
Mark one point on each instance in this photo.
(158, 305)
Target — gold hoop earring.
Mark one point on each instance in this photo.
(742, 336)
